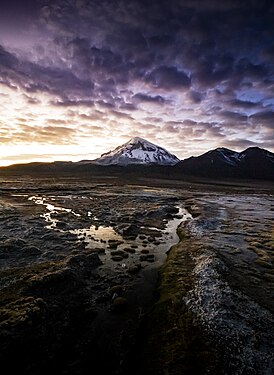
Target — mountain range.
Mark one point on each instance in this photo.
(252, 163)
(143, 158)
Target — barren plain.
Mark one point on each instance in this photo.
(123, 278)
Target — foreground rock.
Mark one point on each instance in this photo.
(42, 309)
(73, 295)
(215, 314)
(71, 287)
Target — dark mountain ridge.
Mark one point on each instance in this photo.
(221, 163)
(253, 163)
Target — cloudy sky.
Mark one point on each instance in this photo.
(79, 77)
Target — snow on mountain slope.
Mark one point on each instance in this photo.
(252, 163)
(228, 156)
(137, 151)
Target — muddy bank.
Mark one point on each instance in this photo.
(79, 267)
(78, 271)
(215, 309)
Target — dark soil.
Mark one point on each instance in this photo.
(86, 285)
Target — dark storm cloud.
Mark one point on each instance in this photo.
(192, 128)
(263, 116)
(56, 81)
(267, 54)
(244, 67)
(118, 55)
(34, 78)
(7, 60)
(195, 96)
(132, 39)
(95, 60)
(233, 115)
(72, 103)
(266, 120)
(213, 68)
(121, 115)
(158, 99)
(168, 77)
(242, 103)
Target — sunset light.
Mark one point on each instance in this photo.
(78, 78)
(136, 187)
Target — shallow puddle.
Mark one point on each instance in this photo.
(52, 210)
(100, 237)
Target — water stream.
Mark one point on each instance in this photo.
(100, 237)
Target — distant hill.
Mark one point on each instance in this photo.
(140, 158)
(253, 163)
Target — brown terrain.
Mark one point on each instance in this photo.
(140, 276)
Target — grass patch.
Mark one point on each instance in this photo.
(20, 311)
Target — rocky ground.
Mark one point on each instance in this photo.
(215, 309)
(80, 263)
(78, 269)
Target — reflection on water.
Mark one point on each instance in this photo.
(53, 209)
(96, 235)
(99, 237)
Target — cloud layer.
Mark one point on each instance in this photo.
(84, 76)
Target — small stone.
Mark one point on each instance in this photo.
(61, 224)
(119, 304)
(145, 251)
(118, 242)
(117, 258)
(135, 268)
(31, 250)
(117, 252)
(88, 261)
(131, 232)
(100, 250)
(143, 258)
(116, 289)
(129, 250)
(150, 258)
(112, 245)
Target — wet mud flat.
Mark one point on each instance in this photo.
(87, 285)
(215, 311)
(78, 271)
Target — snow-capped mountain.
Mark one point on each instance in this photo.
(144, 158)
(137, 151)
